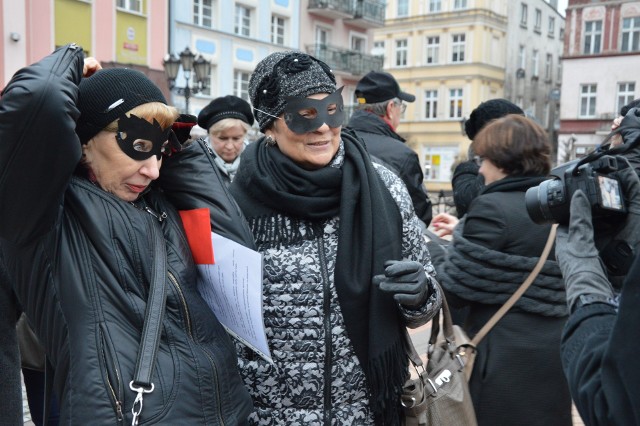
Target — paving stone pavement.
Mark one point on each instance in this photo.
(420, 337)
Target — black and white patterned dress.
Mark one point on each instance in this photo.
(296, 278)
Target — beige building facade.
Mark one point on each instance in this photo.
(450, 54)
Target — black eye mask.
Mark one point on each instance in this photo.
(140, 139)
(316, 112)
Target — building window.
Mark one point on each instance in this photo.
(202, 13)
(433, 49)
(548, 65)
(552, 26)
(455, 103)
(208, 83)
(587, 100)
(524, 14)
(402, 50)
(430, 104)
(378, 48)
(559, 77)
(457, 47)
(626, 93)
(277, 30)
(323, 36)
(535, 62)
(358, 44)
(241, 85)
(631, 34)
(438, 163)
(545, 115)
(243, 21)
(522, 57)
(403, 8)
(435, 5)
(130, 5)
(538, 25)
(592, 37)
(459, 4)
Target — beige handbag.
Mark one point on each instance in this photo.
(440, 394)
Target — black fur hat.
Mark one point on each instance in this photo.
(487, 111)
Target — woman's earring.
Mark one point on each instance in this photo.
(269, 141)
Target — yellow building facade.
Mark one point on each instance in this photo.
(451, 55)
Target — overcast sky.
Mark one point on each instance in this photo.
(562, 5)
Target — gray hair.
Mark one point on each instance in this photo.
(378, 108)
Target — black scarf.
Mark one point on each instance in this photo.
(269, 183)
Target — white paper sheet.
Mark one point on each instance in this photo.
(233, 290)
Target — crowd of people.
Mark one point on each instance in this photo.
(96, 265)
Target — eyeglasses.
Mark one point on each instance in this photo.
(403, 106)
(478, 160)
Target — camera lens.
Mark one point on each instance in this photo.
(542, 201)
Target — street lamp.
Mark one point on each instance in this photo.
(187, 59)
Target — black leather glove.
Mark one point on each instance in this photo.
(577, 255)
(406, 280)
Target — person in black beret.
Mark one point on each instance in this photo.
(466, 181)
(227, 120)
(380, 107)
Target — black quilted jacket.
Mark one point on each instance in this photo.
(81, 262)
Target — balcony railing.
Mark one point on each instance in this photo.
(332, 8)
(350, 61)
(364, 13)
(369, 13)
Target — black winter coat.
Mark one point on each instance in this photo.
(517, 377)
(388, 146)
(600, 360)
(466, 184)
(82, 262)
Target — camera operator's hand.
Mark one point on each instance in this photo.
(619, 252)
(406, 280)
(577, 255)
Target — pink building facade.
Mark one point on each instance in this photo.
(601, 54)
(116, 32)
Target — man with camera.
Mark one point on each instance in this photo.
(602, 371)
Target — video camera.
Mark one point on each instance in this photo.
(549, 202)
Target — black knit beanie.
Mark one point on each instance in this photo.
(487, 111)
(286, 74)
(108, 94)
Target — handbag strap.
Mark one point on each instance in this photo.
(519, 292)
(152, 327)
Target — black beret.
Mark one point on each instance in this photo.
(225, 107)
(488, 111)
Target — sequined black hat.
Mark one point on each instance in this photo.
(286, 74)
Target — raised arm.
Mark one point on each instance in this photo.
(39, 149)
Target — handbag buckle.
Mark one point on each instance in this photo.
(412, 402)
(141, 390)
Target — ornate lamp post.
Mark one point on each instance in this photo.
(187, 59)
